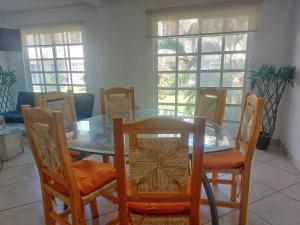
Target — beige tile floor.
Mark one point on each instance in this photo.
(274, 193)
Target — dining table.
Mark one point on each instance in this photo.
(95, 136)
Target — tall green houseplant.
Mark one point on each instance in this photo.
(270, 83)
(7, 80)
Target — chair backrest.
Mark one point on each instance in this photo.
(45, 132)
(250, 125)
(115, 101)
(159, 162)
(60, 101)
(210, 103)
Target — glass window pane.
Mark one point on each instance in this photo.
(186, 96)
(77, 65)
(187, 79)
(47, 53)
(232, 128)
(50, 78)
(187, 63)
(166, 80)
(37, 88)
(31, 53)
(167, 107)
(79, 89)
(62, 65)
(51, 88)
(166, 96)
(75, 37)
(188, 45)
(78, 78)
(35, 65)
(211, 62)
(232, 113)
(76, 51)
(166, 63)
(237, 42)
(234, 97)
(64, 78)
(188, 26)
(233, 79)
(212, 44)
(37, 78)
(166, 28)
(210, 80)
(235, 61)
(166, 46)
(45, 39)
(48, 65)
(61, 52)
(64, 88)
(187, 109)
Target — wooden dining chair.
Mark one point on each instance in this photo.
(59, 101)
(238, 161)
(115, 101)
(159, 188)
(210, 104)
(75, 184)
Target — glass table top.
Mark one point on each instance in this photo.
(11, 128)
(95, 135)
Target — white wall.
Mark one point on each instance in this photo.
(290, 111)
(118, 51)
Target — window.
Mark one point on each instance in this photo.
(185, 63)
(55, 59)
(203, 46)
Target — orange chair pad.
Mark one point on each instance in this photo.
(223, 160)
(158, 208)
(90, 175)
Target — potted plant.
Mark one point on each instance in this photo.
(270, 83)
(7, 79)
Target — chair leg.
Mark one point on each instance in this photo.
(78, 217)
(94, 210)
(48, 206)
(215, 176)
(244, 197)
(233, 194)
(105, 158)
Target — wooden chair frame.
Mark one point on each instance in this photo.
(74, 199)
(68, 98)
(241, 176)
(220, 93)
(159, 126)
(116, 91)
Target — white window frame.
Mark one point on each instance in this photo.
(247, 52)
(67, 58)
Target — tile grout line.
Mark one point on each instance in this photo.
(5, 168)
(20, 206)
(23, 181)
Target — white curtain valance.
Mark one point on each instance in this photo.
(241, 16)
(48, 29)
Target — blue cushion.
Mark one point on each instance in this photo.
(25, 98)
(13, 117)
(84, 104)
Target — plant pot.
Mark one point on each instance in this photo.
(263, 141)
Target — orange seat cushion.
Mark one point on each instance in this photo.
(223, 160)
(158, 208)
(90, 175)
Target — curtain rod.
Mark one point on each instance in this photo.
(202, 5)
